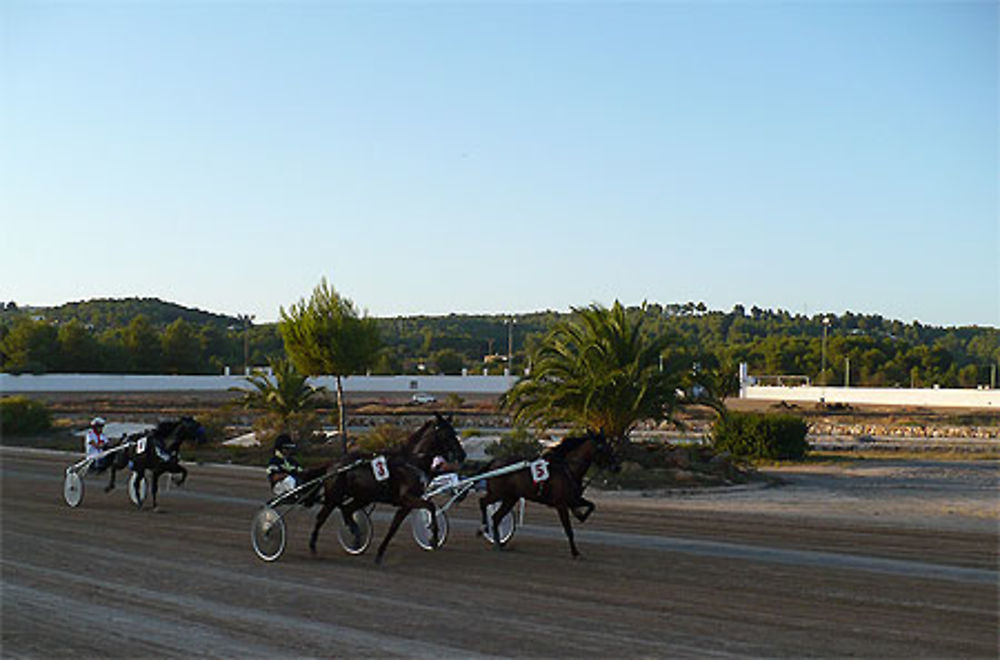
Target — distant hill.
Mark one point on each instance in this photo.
(867, 349)
(105, 313)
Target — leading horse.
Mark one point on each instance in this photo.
(157, 451)
(568, 462)
(408, 472)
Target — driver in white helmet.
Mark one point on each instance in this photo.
(96, 442)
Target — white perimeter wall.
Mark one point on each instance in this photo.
(958, 398)
(27, 383)
(491, 385)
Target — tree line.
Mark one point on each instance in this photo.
(151, 336)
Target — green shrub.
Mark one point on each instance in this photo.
(303, 426)
(381, 438)
(519, 443)
(216, 423)
(20, 415)
(756, 435)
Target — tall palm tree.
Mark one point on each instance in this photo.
(598, 370)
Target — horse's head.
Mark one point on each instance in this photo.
(444, 441)
(604, 453)
(191, 429)
(186, 429)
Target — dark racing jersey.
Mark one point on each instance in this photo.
(283, 465)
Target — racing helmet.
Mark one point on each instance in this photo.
(97, 421)
(284, 443)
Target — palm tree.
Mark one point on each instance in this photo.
(598, 370)
(285, 393)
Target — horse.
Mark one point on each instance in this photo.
(409, 467)
(157, 450)
(568, 462)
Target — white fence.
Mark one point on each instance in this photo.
(887, 396)
(28, 383)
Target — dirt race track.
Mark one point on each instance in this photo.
(746, 573)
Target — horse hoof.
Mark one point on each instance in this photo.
(108, 489)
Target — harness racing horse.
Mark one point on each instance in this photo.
(568, 462)
(157, 451)
(408, 469)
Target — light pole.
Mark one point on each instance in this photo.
(826, 324)
(246, 319)
(510, 343)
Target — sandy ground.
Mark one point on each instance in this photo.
(876, 560)
(929, 494)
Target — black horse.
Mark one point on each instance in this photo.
(568, 462)
(408, 469)
(157, 451)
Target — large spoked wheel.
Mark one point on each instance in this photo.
(137, 489)
(267, 533)
(355, 545)
(507, 524)
(73, 489)
(420, 520)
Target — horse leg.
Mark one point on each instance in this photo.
(498, 515)
(564, 518)
(111, 482)
(347, 512)
(140, 475)
(181, 470)
(484, 502)
(397, 520)
(427, 505)
(153, 487)
(588, 507)
(324, 513)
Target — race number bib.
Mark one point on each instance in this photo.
(140, 446)
(539, 470)
(380, 468)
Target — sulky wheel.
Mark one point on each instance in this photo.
(267, 534)
(350, 544)
(420, 520)
(137, 489)
(507, 524)
(73, 489)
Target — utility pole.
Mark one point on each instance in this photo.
(826, 324)
(847, 372)
(510, 343)
(246, 319)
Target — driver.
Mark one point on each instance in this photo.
(284, 472)
(95, 443)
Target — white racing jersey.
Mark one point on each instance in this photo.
(94, 443)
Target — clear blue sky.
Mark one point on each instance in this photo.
(429, 158)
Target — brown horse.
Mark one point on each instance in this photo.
(568, 462)
(407, 473)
